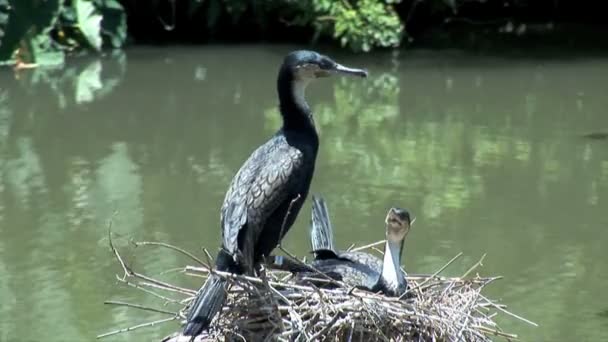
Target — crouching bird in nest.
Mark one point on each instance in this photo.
(354, 268)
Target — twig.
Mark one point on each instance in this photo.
(477, 264)
(293, 257)
(175, 248)
(172, 270)
(139, 287)
(209, 258)
(327, 327)
(127, 271)
(377, 243)
(141, 307)
(143, 325)
(273, 300)
(162, 284)
(434, 274)
(495, 332)
(284, 224)
(499, 307)
(254, 280)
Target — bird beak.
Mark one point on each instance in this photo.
(338, 68)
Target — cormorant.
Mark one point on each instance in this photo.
(354, 268)
(268, 191)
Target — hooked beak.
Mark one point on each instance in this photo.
(338, 68)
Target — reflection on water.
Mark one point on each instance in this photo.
(489, 154)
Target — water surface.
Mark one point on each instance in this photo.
(488, 153)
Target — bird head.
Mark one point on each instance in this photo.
(308, 65)
(397, 224)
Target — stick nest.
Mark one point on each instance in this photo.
(274, 308)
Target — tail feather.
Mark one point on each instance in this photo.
(209, 301)
(321, 231)
(210, 298)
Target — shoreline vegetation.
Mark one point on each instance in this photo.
(34, 33)
(435, 308)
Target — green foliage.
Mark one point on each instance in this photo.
(41, 31)
(25, 21)
(362, 24)
(40, 50)
(358, 24)
(89, 22)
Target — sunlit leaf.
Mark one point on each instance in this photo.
(43, 53)
(89, 22)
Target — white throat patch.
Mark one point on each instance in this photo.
(299, 90)
(304, 74)
(391, 268)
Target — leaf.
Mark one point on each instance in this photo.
(26, 25)
(42, 52)
(89, 22)
(114, 23)
(22, 21)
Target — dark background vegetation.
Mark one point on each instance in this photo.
(43, 31)
(418, 16)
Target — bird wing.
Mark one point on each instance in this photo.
(257, 190)
(363, 258)
(351, 273)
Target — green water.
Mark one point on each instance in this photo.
(487, 152)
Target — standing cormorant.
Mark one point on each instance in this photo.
(355, 268)
(268, 191)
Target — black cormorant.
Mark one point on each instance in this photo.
(268, 191)
(355, 268)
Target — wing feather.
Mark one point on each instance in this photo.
(258, 189)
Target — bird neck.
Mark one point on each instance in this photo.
(391, 269)
(292, 104)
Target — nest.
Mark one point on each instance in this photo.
(273, 307)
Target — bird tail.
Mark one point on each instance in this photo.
(210, 297)
(321, 231)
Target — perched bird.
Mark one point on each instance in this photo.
(354, 268)
(268, 191)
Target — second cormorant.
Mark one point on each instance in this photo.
(268, 191)
(354, 268)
